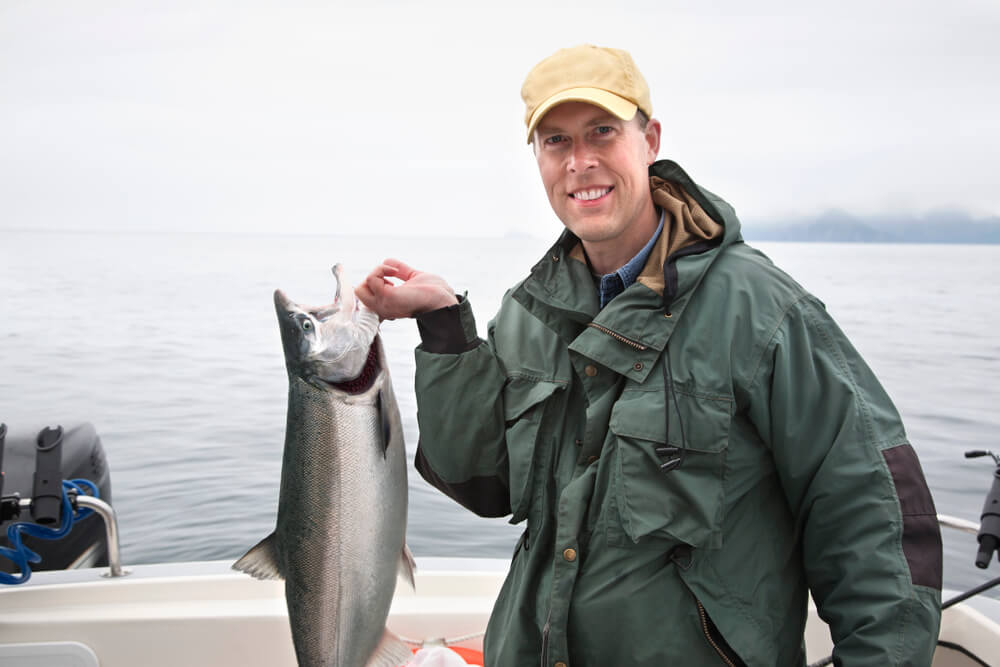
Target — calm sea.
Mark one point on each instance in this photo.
(168, 344)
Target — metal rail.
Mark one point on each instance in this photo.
(958, 524)
(107, 513)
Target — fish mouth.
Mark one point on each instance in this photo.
(282, 302)
(329, 346)
(365, 379)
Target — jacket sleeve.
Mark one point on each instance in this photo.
(871, 542)
(459, 387)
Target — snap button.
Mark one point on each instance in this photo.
(591, 459)
(637, 366)
(590, 370)
(560, 664)
(579, 443)
(668, 315)
(555, 258)
(570, 555)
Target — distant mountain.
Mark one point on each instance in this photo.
(837, 226)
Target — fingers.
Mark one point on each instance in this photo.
(398, 269)
(371, 288)
(365, 295)
(417, 292)
(392, 268)
(376, 280)
(371, 292)
(376, 291)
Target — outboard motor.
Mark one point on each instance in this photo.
(34, 461)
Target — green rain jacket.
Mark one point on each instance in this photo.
(795, 472)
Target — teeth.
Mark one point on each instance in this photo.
(587, 195)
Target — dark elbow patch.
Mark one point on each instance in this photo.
(921, 533)
(486, 496)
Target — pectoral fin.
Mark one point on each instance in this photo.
(385, 426)
(261, 562)
(407, 566)
(391, 652)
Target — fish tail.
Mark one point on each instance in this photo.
(390, 652)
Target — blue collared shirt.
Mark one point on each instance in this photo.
(612, 284)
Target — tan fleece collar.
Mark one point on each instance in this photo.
(685, 222)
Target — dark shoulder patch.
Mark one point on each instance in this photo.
(921, 533)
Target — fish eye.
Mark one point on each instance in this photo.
(307, 325)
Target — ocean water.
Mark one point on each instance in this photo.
(168, 344)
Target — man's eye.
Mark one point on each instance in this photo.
(555, 139)
(604, 129)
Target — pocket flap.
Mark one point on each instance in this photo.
(521, 394)
(523, 400)
(704, 421)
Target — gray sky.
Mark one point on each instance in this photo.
(406, 118)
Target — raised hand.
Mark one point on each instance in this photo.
(418, 292)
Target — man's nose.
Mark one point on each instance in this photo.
(581, 158)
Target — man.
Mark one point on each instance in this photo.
(693, 442)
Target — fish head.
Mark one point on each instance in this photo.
(328, 343)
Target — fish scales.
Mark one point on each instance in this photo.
(339, 538)
(341, 484)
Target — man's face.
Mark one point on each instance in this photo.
(594, 169)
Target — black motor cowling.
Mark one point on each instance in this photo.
(82, 458)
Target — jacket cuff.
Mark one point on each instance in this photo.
(448, 330)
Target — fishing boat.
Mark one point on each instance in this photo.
(204, 613)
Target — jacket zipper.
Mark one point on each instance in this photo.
(617, 336)
(708, 635)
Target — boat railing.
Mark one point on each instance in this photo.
(107, 514)
(110, 518)
(954, 522)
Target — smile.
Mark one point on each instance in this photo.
(591, 194)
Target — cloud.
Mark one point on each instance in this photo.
(262, 116)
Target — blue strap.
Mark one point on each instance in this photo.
(22, 555)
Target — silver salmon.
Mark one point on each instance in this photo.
(340, 536)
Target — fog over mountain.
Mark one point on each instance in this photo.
(838, 226)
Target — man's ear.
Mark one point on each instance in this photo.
(652, 134)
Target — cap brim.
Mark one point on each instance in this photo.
(610, 102)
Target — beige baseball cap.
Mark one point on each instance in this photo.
(587, 73)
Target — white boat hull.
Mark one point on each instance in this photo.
(206, 614)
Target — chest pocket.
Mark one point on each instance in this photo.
(686, 503)
(525, 402)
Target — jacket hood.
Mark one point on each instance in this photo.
(560, 290)
(695, 220)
